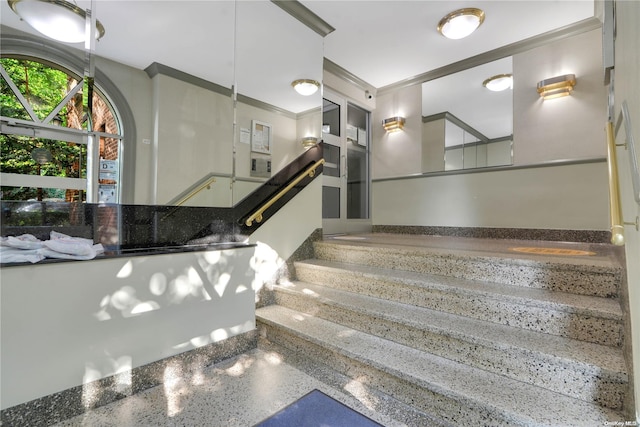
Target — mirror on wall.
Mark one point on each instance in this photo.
(180, 67)
(185, 139)
(465, 124)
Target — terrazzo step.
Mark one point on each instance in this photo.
(586, 371)
(371, 397)
(582, 275)
(449, 391)
(585, 318)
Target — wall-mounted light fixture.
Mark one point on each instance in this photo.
(393, 124)
(305, 87)
(56, 19)
(461, 23)
(309, 141)
(556, 87)
(499, 82)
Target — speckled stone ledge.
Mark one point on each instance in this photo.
(583, 318)
(586, 371)
(579, 277)
(584, 236)
(449, 391)
(77, 400)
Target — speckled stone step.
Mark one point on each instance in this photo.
(585, 318)
(578, 369)
(447, 390)
(596, 276)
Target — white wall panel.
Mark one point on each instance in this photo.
(570, 197)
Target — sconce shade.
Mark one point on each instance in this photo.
(56, 19)
(556, 87)
(305, 87)
(309, 141)
(393, 124)
(461, 23)
(499, 82)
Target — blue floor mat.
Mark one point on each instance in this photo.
(316, 409)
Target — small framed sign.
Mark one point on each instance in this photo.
(261, 135)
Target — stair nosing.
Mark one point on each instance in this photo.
(521, 295)
(437, 382)
(617, 369)
(512, 258)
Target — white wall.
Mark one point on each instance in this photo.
(193, 135)
(564, 128)
(398, 153)
(284, 147)
(556, 197)
(283, 233)
(627, 87)
(560, 129)
(69, 323)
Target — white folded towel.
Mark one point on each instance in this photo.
(8, 254)
(25, 241)
(27, 248)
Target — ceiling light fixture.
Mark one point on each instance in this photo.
(393, 124)
(556, 87)
(305, 87)
(499, 82)
(56, 19)
(461, 23)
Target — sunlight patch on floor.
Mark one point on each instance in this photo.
(356, 388)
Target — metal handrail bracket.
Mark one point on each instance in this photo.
(257, 215)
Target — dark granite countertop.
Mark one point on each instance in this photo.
(137, 230)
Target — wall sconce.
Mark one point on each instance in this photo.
(556, 87)
(56, 19)
(461, 23)
(305, 87)
(499, 83)
(393, 124)
(309, 141)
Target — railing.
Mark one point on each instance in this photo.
(202, 184)
(615, 207)
(257, 215)
(615, 210)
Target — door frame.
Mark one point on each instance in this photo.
(342, 224)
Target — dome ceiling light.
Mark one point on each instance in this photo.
(56, 19)
(499, 82)
(306, 87)
(461, 23)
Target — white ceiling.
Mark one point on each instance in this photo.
(381, 42)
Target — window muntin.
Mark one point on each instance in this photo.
(40, 98)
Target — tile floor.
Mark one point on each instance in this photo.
(239, 392)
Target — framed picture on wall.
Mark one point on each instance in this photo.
(261, 137)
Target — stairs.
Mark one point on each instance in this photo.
(454, 331)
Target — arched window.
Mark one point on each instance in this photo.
(55, 144)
